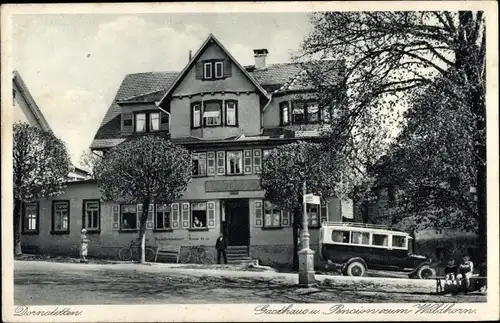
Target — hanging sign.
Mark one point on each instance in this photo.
(312, 199)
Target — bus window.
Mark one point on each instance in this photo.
(360, 238)
(399, 241)
(380, 239)
(340, 236)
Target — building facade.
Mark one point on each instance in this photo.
(229, 117)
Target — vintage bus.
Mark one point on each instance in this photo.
(356, 247)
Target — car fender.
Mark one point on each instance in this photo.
(350, 261)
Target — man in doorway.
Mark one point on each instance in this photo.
(221, 246)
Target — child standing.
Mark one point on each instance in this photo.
(465, 270)
(84, 243)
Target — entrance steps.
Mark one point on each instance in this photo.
(238, 255)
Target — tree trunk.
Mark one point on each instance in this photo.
(142, 230)
(18, 209)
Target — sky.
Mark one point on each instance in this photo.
(73, 64)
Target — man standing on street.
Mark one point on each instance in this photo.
(221, 246)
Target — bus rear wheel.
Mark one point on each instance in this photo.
(356, 269)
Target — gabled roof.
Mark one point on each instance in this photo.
(211, 38)
(34, 109)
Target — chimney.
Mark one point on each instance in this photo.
(260, 58)
(190, 55)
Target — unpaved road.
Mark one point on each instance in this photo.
(45, 283)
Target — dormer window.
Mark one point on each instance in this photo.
(219, 70)
(140, 122)
(207, 70)
(147, 121)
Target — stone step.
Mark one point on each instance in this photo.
(237, 252)
(237, 248)
(229, 256)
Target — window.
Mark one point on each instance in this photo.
(380, 239)
(341, 236)
(360, 238)
(284, 113)
(399, 241)
(154, 121)
(234, 162)
(272, 215)
(196, 115)
(219, 70)
(212, 113)
(313, 115)
(60, 216)
(298, 113)
(152, 124)
(207, 70)
(199, 215)
(199, 161)
(313, 215)
(30, 218)
(325, 114)
(231, 113)
(129, 217)
(162, 217)
(140, 122)
(91, 216)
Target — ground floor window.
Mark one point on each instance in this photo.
(162, 218)
(91, 215)
(60, 216)
(272, 215)
(129, 217)
(30, 218)
(315, 213)
(199, 215)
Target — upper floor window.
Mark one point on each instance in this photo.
(219, 70)
(199, 161)
(207, 70)
(60, 216)
(212, 113)
(285, 113)
(30, 218)
(147, 121)
(234, 162)
(91, 215)
(298, 113)
(231, 113)
(196, 107)
(313, 115)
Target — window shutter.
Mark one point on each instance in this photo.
(285, 218)
(139, 215)
(258, 213)
(164, 121)
(175, 216)
(227, 68)
(116, 217)
(247, 161)
(211, 163)
(185, 215)
(149, 221)
(211, 214)
(221, 163)
(257, 161)
(127, 122)
(199, 70)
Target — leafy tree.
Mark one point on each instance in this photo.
(89, 159)
(286, 168)
(40, 168)
(389, 55)
(145, 170)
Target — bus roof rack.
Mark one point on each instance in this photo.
(357, 225)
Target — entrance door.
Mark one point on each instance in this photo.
(237, 219)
